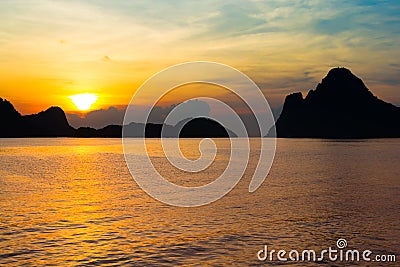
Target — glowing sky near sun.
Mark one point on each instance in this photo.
(50, 50)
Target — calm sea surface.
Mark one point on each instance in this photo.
(73, 202)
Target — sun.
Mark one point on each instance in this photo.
(83, 101)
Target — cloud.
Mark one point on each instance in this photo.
(272, 41)
(97, 118)
(333, 26)
(187, 109)
(235, 19)
(106, 58)
(100, 118)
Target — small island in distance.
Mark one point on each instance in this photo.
(341, 107)
(53, 123)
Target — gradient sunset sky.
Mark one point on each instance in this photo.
(50, 50)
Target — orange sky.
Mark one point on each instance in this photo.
(51, 50)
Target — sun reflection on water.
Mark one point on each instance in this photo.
(73, 201)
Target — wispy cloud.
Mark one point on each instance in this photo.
(274, 42)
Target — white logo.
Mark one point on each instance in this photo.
(139, 163)
(341, 243)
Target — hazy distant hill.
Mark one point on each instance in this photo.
(340, 107)
(53, 123)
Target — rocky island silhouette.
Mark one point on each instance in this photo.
(341, 107)
(53, 123)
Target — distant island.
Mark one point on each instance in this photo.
(341, 107)
(53, 123)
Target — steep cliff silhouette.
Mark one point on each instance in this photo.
(49, 123)
(340, 107)
(53, 123)
(11, 122)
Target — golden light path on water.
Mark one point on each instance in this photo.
(72, 201)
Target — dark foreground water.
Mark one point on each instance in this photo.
(73, 202)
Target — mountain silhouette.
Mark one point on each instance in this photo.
(340, 107)
(53, 123)
(49, 123)
(11, 122)
(188, 128)
(197, 127)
